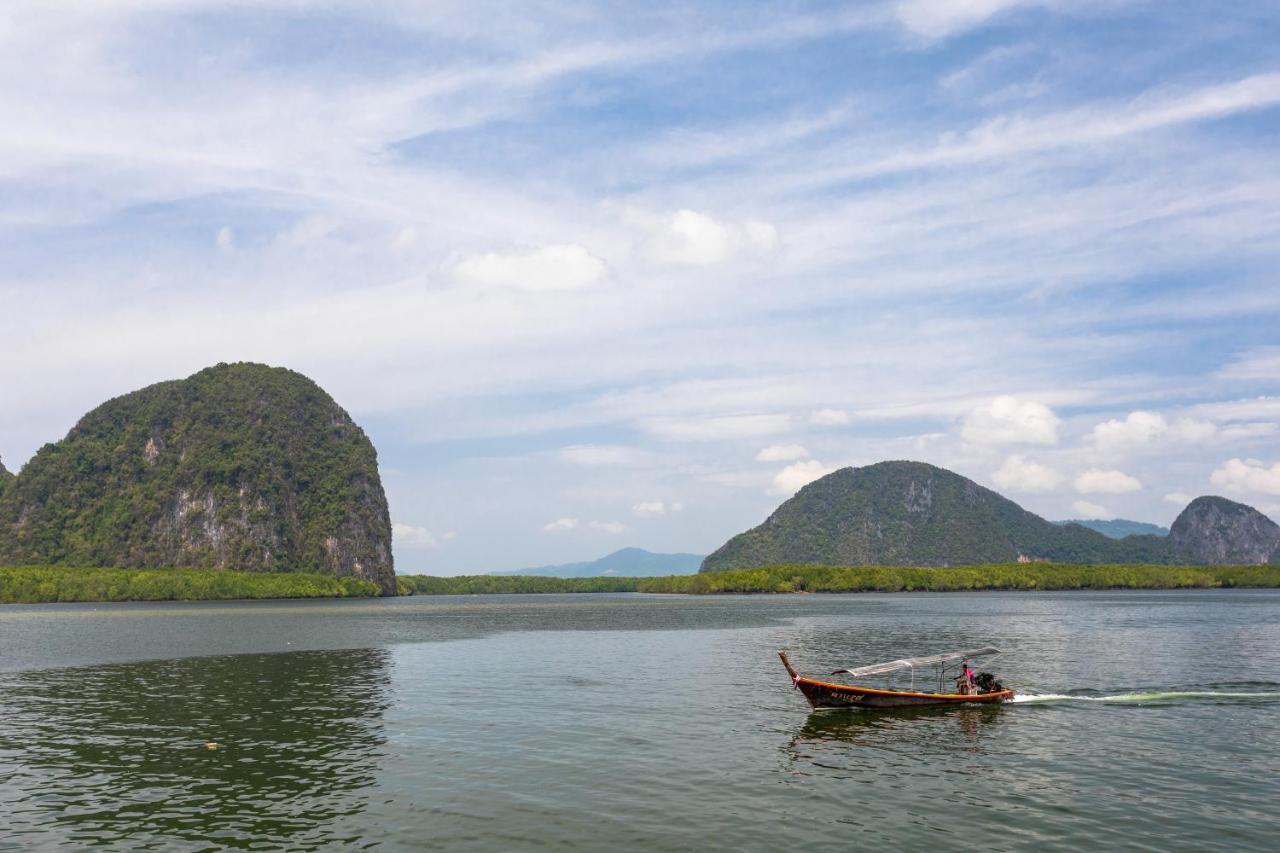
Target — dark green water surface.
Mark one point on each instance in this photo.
(1150, 721)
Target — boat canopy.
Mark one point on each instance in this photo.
(912, 663)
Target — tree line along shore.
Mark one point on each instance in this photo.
(834, 579)
(41, 584)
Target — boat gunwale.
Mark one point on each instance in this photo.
(965, 697)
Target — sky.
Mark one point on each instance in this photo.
(598, 274)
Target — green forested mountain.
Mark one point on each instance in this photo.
(240, 466)
(912, 513)
(1118, 528)
(5, 477)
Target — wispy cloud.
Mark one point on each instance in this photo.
(1006, 137)
(589, 258)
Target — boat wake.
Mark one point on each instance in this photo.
(1147, 696)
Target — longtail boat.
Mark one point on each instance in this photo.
(831, 694)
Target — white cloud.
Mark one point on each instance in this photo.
(1194, 430)
(549, 268)
(411, 536)
(1244, 432)
(405, 238)
(1020, 475)
(656, 507)
(601, 455)
(1008, 420)
(308, 233)
(1006, 138)
(717, 428)
(1179, 498)
(608, 526)
(759, 236)
(690, 238)
(1087, 510)
(830, 417)
(1145, 428)
(934, 19)
(1257, 407)
(1258, 363)
(1138, 428)
(782, 453)
(1247, 475)
(226, 240)
(791, 479)
(1110, 482)
(560, 525)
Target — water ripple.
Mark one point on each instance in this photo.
(272, 748)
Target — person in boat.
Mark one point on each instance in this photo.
(964, 681)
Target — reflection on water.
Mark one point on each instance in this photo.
(118, 753)
(925, 725)
(840, 739)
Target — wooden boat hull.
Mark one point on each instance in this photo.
(827, 694)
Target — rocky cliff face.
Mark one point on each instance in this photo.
(1217, 530)
(912, 513)
(240, 466)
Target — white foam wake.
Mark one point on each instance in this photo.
(1155, 696)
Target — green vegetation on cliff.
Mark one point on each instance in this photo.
(1216, 530)
(915, 514)
(40, 584)
(1009, 576)
(241, 466)
(5, 477)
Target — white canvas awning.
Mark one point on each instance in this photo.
(913, 663)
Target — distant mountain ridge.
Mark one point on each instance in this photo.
(1118, 528)
(627, 562)
(912, 513)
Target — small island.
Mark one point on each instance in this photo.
(241, 481)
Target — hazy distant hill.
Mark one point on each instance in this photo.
(628, 562)
(1118, 528)
(241, 466)
(912, 513)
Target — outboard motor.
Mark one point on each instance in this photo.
(986, 683)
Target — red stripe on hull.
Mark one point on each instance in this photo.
(824, 694)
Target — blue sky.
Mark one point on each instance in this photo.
(597, 274)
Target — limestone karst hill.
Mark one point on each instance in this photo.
(241, 466)
(914, 514)
(1220, 531)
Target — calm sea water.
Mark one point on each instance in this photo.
(663, 723)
